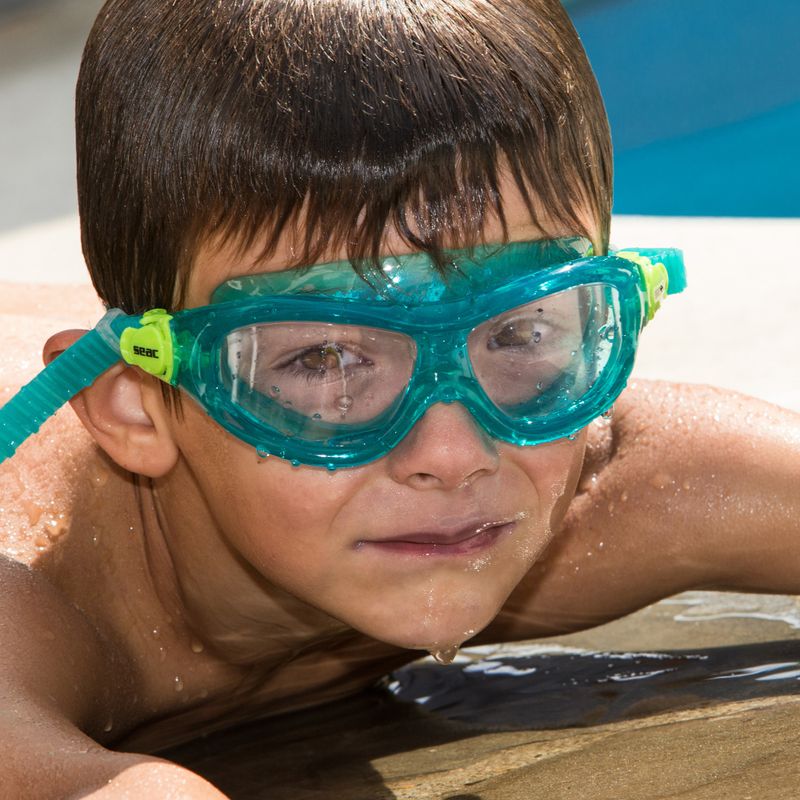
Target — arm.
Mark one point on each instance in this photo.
(691, 487)
(57, 686)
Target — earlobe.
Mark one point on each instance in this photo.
(124, 413)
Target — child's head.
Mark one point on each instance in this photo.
(201, 120)
(218, 139)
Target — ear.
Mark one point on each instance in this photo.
(125, 413)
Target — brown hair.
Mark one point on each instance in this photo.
(227, 118)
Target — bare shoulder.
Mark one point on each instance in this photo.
(39, 484)
(76, 302)
(52, 652)
(29, 314)
(52, 655)
(675, 493)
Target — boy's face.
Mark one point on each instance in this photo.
(420, 548)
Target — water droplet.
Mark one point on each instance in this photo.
(610, 334)
(572, 437)
(156, 633)
(344, 403)
(287, 403)
(660, 480)
(316, 416)
(624, 496)
(331, 467)
(295, 462)
(686, 485)
(109, 725)
(262, 452)
(275, 390)
(537, 337)
(446, 655)
(573, 353)
(608, 413)
(197, 646)
(34, 512)
(540, 386)
(178, 683)
(99, 476)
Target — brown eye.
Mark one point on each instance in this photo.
(322, 360)
(516, 333)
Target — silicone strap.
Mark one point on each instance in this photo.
(75, 369)
(672, 259)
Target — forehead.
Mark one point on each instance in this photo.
(215, 264)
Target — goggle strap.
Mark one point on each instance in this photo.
(672, 260)
(75, 369)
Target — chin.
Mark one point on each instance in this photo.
(432, 626)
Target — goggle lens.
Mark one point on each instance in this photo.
(547, 354)
(317, 381)
(308, 378)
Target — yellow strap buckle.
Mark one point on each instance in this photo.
(654, 277)
(150, 346)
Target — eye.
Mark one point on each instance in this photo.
(520, 332)
(322, 358)
(331, 360)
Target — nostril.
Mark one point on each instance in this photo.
(424, 480)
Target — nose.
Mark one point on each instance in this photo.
(446, 449)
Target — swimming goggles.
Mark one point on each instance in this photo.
(323, 366)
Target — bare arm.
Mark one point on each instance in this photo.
(692, 487)
(57, 684)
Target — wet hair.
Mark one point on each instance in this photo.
(205, 121)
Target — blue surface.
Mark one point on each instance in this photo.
(704, 102)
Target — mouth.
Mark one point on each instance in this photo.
(468, 540)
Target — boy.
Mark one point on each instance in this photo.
(365, 467)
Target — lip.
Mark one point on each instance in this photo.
(467, 540)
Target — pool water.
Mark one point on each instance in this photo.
(704, 102)
(560, 684)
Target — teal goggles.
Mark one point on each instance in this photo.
(326, 367)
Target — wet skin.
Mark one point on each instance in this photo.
(218, 586)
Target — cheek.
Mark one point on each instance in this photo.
(553, 469)
(267, 509)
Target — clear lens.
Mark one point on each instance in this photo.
(546, 354)
(302, 377)
(318, 381)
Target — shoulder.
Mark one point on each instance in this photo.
(29, 314)
(53, 656)
(38, 484)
